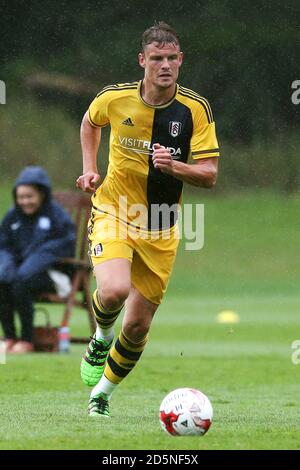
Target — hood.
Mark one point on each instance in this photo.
(34, 175)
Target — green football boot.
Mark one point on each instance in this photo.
(98, 406)
(93, 361)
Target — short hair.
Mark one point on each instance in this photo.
(161, 33)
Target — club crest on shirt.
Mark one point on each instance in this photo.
(174, 128)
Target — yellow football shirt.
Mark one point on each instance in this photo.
(184, 125)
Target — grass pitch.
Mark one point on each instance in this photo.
(248, 265)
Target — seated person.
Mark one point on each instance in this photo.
(34, 234)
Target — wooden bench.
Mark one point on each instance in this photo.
(78, 205)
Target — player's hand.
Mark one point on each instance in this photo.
(162, 159)
(88, 182)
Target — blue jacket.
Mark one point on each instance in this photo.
(32, 244)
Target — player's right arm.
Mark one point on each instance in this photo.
(90, 137)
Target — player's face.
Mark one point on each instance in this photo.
(161, 63)
(29, 199)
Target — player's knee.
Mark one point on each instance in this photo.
(136, 331)
(113, 297)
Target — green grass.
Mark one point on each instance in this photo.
(248, 264)
(245, 369)
(250, 246)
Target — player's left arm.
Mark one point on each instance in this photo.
(204, 150)
(203, 172)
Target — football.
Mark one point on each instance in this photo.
(185, 412)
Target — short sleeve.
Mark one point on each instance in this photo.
(204, 143)
(98, 109)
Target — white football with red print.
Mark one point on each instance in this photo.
(185, 412)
